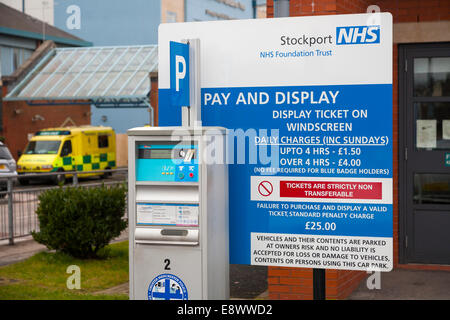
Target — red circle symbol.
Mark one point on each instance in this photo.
(265, 188)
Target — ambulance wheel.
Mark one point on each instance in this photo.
(59, 179)
(106, 175)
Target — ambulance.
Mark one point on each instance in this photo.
(84, 148)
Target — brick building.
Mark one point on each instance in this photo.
(24, 40)
(57, 86)
(421, 82)
(20, 120)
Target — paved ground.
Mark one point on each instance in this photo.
(21, 250)
(407, 285)
(246, 282)
(25, 247)
(250, 282)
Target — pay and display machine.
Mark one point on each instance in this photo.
(178, 213)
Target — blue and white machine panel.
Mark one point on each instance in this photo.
(167, 163)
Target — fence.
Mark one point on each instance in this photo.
(18, 204)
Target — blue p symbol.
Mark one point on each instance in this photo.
(179, 73)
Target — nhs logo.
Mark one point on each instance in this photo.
(357, 35)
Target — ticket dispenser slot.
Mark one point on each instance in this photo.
(166, 236)
(178, 216)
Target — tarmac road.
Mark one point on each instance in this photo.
(247, 282)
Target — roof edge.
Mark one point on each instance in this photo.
(38, 36)
(31, 62)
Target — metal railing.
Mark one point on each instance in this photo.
(18, 204)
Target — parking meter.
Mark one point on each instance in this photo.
(178, 213)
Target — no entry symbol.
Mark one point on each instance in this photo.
(265, 188)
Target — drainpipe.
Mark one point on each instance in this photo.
(254, 5)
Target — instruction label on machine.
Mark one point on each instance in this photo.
(167, 214)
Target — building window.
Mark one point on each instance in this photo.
(432, 77)
(16, 58)
(12, 58)
(171, 16)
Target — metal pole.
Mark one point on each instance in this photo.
(185, 112)
(319, 284)
(195, 111)
(75, 179)
(150, 110)
(10, 211)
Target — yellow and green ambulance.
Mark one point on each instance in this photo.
(85, 148)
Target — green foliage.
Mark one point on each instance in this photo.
(80, 221)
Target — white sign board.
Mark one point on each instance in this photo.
(312, 98)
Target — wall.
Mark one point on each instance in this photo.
(218, 10)
(261, 10)
(414, 21)
(121, 150)
(120, 119)
(18, 48)
(172, 11)
(122, 138)
(112, 23)
(416, 10)
(18, 120)
(154, 96)
(39, 9)
(410, 18)
(135, 22)
(14, 49)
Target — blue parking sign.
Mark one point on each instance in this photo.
(308, 112)
(179, 73)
